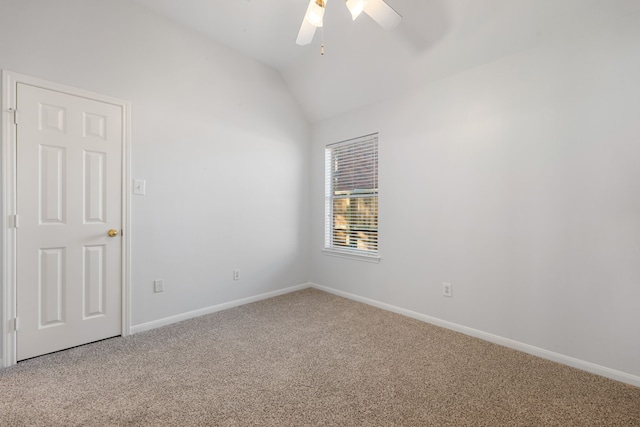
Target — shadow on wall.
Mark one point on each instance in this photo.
(426, 25)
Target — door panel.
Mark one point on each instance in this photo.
(69, 169)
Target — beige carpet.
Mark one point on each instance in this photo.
(306, 359)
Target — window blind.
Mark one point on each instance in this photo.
(351, 196)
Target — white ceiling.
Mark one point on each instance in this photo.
(364, 63)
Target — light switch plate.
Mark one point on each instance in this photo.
(139, 186)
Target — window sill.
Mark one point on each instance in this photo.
(351, 255)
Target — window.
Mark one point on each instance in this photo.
(351, 198)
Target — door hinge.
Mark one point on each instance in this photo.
(15, 115)
(14, 327)
(13, 221)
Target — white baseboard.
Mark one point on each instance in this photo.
(208, 310)
(496, 339)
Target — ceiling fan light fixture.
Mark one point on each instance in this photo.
(356, 7)
(378, 10)
(315, 13)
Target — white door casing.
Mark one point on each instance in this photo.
(67, 280)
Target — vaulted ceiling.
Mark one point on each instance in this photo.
(364, 63)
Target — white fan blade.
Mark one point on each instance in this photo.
(307, 29)
(383, 14)
(305, 35)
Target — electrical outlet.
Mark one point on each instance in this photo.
(236, 274)
(447, 289)
(158, 285)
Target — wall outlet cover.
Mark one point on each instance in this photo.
(447, 289)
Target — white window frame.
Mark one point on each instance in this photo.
(330, 248)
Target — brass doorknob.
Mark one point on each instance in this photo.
(112, 233)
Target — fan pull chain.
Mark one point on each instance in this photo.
(322, 45)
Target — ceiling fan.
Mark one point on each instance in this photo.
(378, 10)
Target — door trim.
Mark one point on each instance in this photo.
(8, 283)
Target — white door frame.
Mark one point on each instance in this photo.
(8, 252)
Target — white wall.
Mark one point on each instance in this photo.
(217, 136)
(518, 182)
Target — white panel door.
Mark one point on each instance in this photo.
(69, 173)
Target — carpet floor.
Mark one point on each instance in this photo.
(307, 358)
